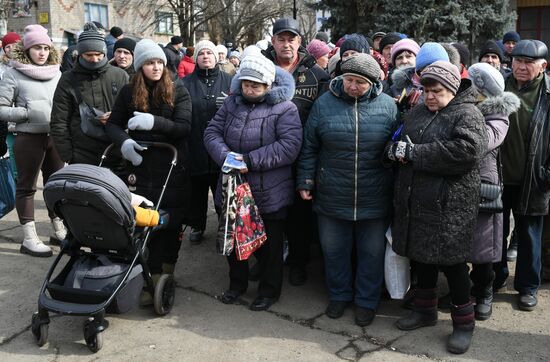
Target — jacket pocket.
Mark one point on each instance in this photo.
(39, 112)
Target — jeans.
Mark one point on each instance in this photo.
(337, 238)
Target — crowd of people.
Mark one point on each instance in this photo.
(341, 142)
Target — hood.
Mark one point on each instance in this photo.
(402, 78)
(505, 103)
(281, 90)
(20, 56)
(336, 87)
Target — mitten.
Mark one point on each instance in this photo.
(128, 150)
(141, 121)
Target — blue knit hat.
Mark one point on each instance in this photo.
(430, 52)
(511, 36)
(355, 42)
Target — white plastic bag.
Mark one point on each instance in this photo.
(396, 271)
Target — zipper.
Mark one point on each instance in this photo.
(242, 130)
(261, 145)
(356, 160)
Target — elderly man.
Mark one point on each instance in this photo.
(526, 168)
(311, 81)
(173, 56)
(124, 55)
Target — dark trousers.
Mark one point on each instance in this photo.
(300, 231)
(270, 259)
(200, 185)
(546, 244)
(457, 278)
(33, 153)
(482, 276)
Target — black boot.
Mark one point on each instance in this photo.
(463, 328)
(484, 302)
(424, 313)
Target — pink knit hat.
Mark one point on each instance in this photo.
(35, 34)
(317, 48)
(402, 45)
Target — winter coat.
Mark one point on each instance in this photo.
(342, 153)
(186, 67)
(436, 195)
(99, 89)
(310, 80)
(3, 135)
(173, 59)
(110, 42)
(268, 134)
(228, 67)
(27, 91)
(130, 70)
(204, 86)
(487, 244)
(69, 58)
(4, 61)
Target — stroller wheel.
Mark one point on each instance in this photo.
(94, 339)
(40, 331)
(165, 291)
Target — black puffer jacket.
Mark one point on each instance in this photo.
(173, 59)
(311, 81)
(204, 86)
(436, 196)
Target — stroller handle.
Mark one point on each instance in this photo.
(146, 144)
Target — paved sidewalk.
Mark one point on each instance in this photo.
(201, 328)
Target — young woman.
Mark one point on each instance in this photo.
(154, 108)
(26, 99)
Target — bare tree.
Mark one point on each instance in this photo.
(5, 8)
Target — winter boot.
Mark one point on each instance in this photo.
(59, 232)
(424, 313)
(146, 299)
(32, 245)
(484, 301)
(463, 328)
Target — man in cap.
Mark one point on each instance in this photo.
(123, 52)
(509, 41)
(491, 54)
(526, 168)
(287, 52)
(172, 51)
(376, 38)
(115, 34)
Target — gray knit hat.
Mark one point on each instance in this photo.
(206, 44)
(90, 40)
(145, 50)
(258, 69)
(445, 73)
(362, 65)
(487, 79)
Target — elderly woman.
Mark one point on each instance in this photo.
(340, 168)
(260, 122)
(437, 196)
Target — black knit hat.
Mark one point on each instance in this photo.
(355, 42)
(388, 39)
(464, 54)
(125, 43)
(116, 31)
(90, 40)
(490, 47)
(176, 40)
(362, 65)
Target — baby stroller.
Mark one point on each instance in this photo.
(107, 253)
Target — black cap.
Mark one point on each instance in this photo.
(490, 47)
(285, 24)
(530, 48)
(176, 40)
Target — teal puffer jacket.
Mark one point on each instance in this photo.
(341, 159)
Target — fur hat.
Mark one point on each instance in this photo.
(430, 52)
(362, 65)
(404, 45)
(125, 43)
(206, 44)
(145, 50)
(355, 42)
(257, 69)
(90, 40)
(445, 73)
(487, 79)
(317, 48)
(35, 34)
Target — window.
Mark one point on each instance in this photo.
(96, 12)
(532, 23)
(165, 23)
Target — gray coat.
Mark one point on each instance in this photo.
(487, 245)
(436, 197)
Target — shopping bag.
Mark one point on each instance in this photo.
(7, 187)
(249, 227)
(225, 236)
(396, 271)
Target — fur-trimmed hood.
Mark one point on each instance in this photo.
(281, 90)
(402, 78)
(20, 55)
(505, 103)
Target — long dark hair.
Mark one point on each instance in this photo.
(162, 91)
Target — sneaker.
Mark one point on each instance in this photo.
(196, 235)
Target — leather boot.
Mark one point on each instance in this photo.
(32, 245)
(463, 328)
(424, 313)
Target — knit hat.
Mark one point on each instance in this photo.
(404, 45)
(10, 38)
(145, 50)
(116, 31)
(487, 79)
(317, 48)
(257, 69)
(125, 43)
(429, 53)
(362, 65)
(511, 36)
(445, 73)
(206, 44)
(355, 42)
(251, 50)
(333, 62)
(90, 40)
(490, 46)
(176, 40)
(35, 34)
(322, 36)
(378, 34)
(464, 53)
(221, 49)
(340, 41)
(235, 54)
(388, 39)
